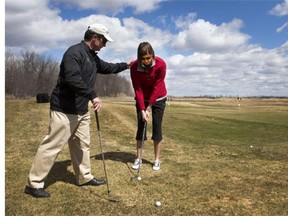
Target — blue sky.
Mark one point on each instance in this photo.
(211, 47)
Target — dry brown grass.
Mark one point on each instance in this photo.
(208, 166)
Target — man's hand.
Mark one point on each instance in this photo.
(130, 63)
(96, 102)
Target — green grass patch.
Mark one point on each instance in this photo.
(218, 158)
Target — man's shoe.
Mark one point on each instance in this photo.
(137, 164)
(95, 182)
(36, 192)
(156, 166)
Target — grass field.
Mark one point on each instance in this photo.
(219, 157)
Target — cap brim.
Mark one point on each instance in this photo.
(108, 38)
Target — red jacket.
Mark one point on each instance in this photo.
(148, 84)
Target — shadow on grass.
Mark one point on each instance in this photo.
(124, 157)
(59, 172)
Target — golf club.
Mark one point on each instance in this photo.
(141, 149)
(103, 159)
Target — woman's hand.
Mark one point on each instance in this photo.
(145, 115)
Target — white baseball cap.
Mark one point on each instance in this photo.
(100, 29)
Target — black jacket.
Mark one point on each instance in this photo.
(77, 78)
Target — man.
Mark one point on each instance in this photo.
(69, 114)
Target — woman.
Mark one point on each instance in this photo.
(148, 75)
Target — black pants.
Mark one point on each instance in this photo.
(157, 117)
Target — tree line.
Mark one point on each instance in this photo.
(32, 73)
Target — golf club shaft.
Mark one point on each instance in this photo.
(100, 142)
(142, 145)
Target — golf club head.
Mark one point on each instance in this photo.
(112, 199)
(136, 178)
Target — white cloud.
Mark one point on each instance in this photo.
(245, 71)
(113, 6)
(183, 21)
(201, 35)
(202, 58)
(281, 28)
(280, 9)
(42, 29)
(283, 49)
(29, 25)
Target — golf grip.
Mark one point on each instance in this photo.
(97, 120)
(143, 134)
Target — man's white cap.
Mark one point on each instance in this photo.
(100, 29)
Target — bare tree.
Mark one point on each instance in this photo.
(47, 75)
(13, 74)
(33, 73)
(112, 85)
(29, 74)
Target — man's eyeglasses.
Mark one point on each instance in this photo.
(104, 40)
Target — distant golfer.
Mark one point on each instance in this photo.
(69, 114)
(148, 75)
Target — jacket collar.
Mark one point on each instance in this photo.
(142, 69)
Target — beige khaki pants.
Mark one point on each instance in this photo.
(63, 128)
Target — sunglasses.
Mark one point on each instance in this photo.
(104, 40)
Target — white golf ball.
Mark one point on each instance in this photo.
(139, 178)
(158, 203)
